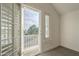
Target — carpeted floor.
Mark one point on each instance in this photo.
(60, 51)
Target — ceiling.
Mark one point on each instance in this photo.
(64, 8)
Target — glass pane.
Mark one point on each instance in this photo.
(46, 26)
(31, 27)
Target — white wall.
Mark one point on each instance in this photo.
(70, 30)
(54, 39)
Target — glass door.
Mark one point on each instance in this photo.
(30, 27)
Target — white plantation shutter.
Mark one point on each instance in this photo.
(7, 34)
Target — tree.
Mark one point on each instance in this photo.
(32, 30)
(25, 32)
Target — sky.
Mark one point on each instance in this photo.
(30, 17)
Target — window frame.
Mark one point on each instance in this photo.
(23, 6)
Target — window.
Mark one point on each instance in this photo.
(46, 26)
(31, 21)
